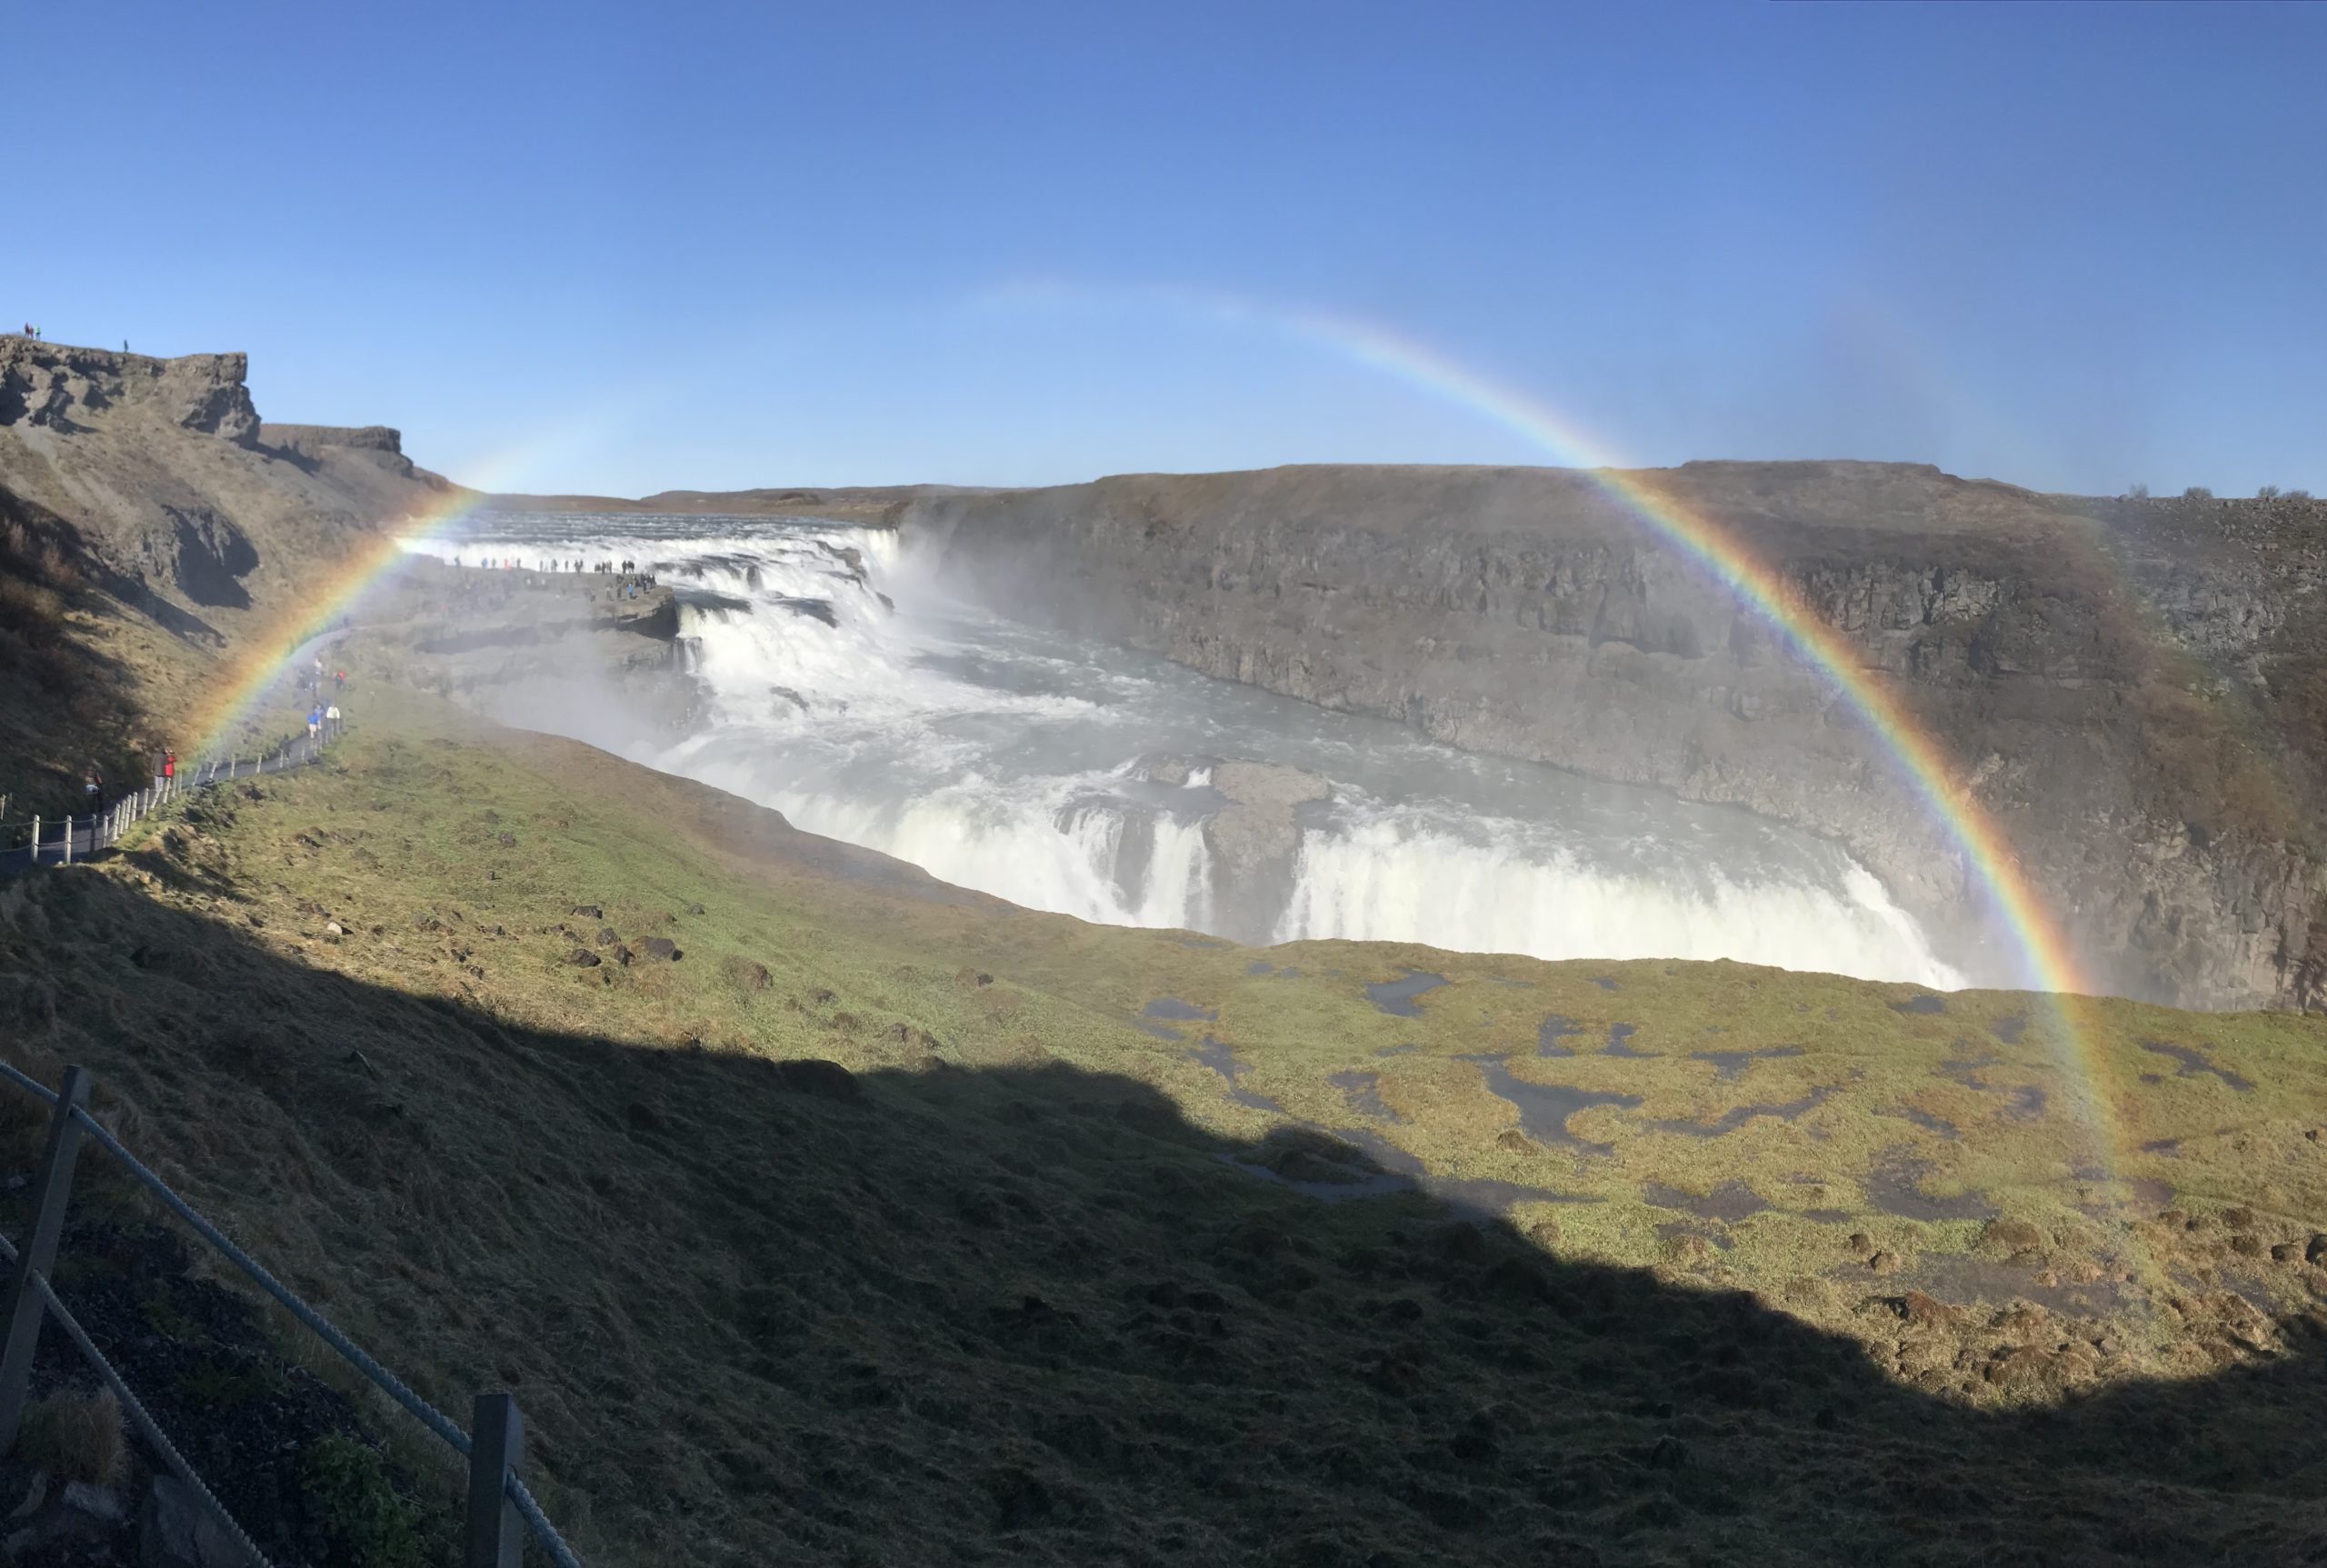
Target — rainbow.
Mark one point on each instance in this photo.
(242, 689)
(2047, 962)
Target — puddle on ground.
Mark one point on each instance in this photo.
(1730, 1201)
(2151, 1193)
(1925, 1004)
(1263, 966)
(1730, 1065)
(1736, 1116)
(2193, 1062)
(1401, 1172)
(1173, 1007)
(1551, 1030)
(1896, 1187)
(1960, 1279)
(1605, 982)
(1360, 1184)
(1966, 1072)
(1619, 1043)
(1362, 1091)
(2008, 1028)
(1398, 995)
(2162, 1147)
(1220, 1057)
(1826, 1217)
(1923, 1119)
(1543, 1108)
(2023, 1103)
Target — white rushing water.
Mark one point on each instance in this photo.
(1003, 756)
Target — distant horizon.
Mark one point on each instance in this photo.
(776, 487)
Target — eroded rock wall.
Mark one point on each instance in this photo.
(2111, 689)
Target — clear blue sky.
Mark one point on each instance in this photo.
(622, 248)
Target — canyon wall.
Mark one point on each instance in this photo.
(2131, 691)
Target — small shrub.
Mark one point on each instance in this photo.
(365, 1521)
(2137, 492)
(2267, 493)
(2197, 493)
(77, 1435)
(2297, 495)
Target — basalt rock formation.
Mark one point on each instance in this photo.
(2133, 692)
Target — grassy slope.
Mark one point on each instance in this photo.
(1003, 1299)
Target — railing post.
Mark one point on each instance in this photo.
(68, 838)
(495, 1537)
(35, 865)
(36, 1254)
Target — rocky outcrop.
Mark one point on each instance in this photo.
(2118, 690)
(59, 386)
(143, 497)
(1254, 839)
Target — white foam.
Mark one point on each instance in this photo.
(1003, 758)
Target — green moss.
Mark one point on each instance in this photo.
(364, 1520)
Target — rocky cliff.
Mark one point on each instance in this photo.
(149, 526)
(2132, 690)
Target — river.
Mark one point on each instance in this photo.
(852, 689)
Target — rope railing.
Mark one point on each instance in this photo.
(147, 1427)
(498, 1500)
(80, 837)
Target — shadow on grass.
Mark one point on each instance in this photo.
(759, 1311)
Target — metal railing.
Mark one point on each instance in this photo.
(499, 1513)
(61, 841)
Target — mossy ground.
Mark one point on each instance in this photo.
(1015, 1292)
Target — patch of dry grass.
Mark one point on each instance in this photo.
(1010, 1293)
(77, 1434)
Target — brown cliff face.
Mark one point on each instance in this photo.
(64, 387)
(2121, 690)
(149, 526)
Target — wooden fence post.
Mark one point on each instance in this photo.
(36, 1254)
(495, 1536)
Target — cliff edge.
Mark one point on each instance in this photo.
(2132, 690)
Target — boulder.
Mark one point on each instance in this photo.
(1253, 840)
(176, 1530)
(658, 947)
